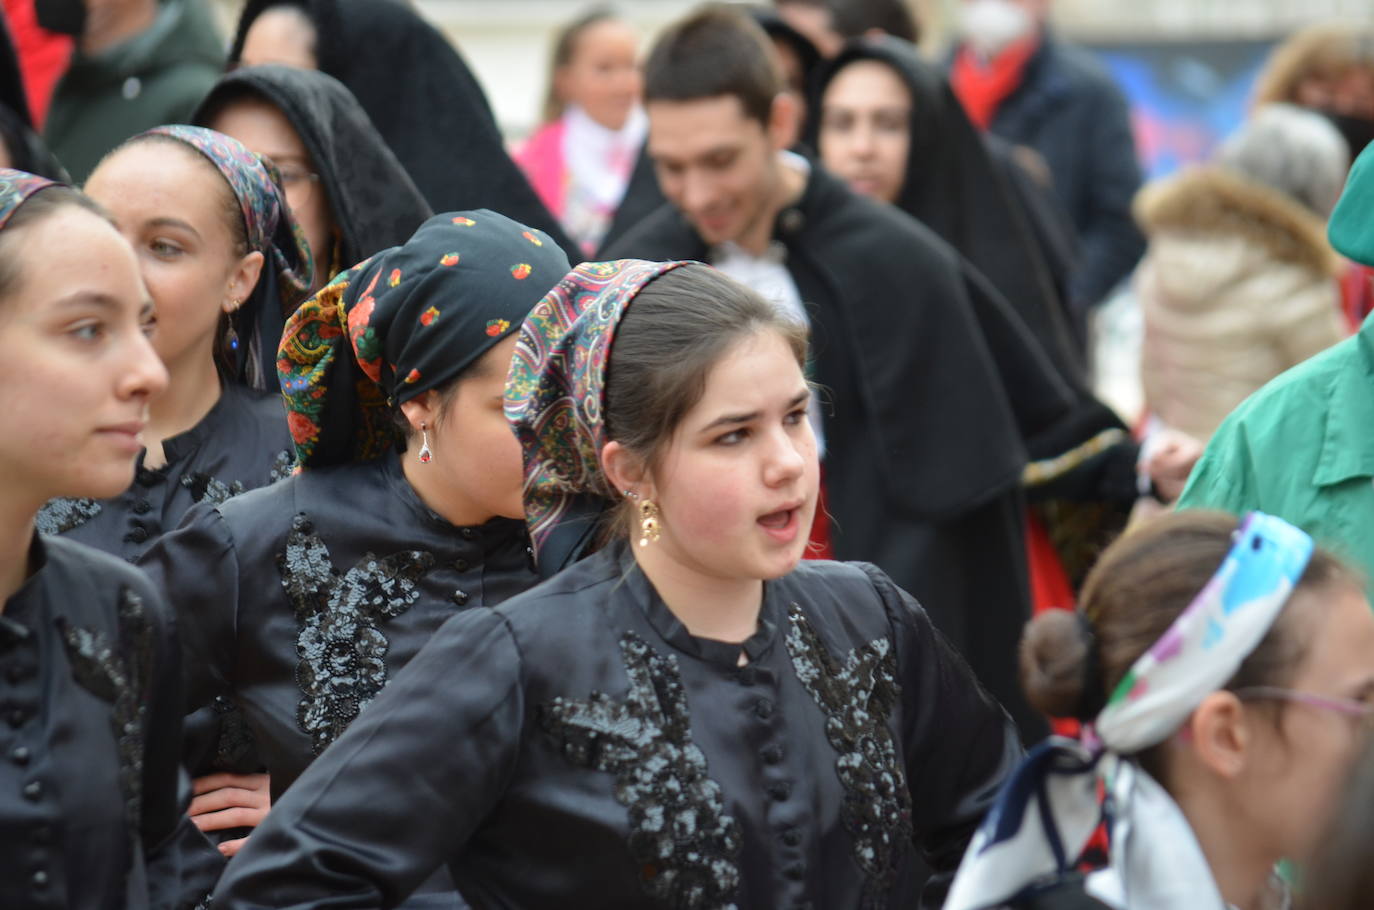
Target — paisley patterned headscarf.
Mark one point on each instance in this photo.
(405, 321)
(554, 402)
(271, 230)
(15, 189)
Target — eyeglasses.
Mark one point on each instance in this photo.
(1348, 707)
(298, 183)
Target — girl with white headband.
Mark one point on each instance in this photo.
(1225, 677)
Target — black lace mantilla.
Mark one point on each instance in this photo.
(680, 834)
(342, 651)
(119, 673)
(858, 698)
(58, 516)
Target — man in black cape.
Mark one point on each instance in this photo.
(923, 444)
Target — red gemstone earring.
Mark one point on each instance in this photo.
(426, 456)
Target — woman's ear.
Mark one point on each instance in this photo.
(243, 279)
(422, 410)
(625, 470)
(1220, 735)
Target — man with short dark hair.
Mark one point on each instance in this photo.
(922, 446)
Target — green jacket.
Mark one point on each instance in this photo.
(156, 77)
(1302, 448)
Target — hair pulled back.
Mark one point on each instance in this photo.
(670, 337)
(565, 49)
(40, 205)
(1142, 583)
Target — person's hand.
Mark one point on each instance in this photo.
(224, 801)
(1171, 459)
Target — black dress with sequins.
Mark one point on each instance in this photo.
(92, 801)
(577, 747)
(297, 602)
(242, 443)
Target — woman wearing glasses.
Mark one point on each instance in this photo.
(1227, 679)
(346, 189)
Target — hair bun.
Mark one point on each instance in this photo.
(1058, 661)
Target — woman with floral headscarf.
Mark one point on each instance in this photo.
(91, 795)
(223, 261)
(298, 602)
(689, 717)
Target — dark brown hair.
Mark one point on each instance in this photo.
(671, 335)
(565, 48)
(713, 52)
(1142, 583)
(40, 205)
(855, 18)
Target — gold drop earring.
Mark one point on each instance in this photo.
(649, 530)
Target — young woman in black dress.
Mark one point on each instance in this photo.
(689, 717)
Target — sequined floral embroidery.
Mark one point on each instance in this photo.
(235, 736)
(858, 698)
(205, 488)
(282, 466)
(680, 834)
(341, 650)
(58, 516)
(119, 673)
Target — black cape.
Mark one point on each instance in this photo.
(932, 385)
(374, 203)
(424, 100)
(968, 188)
(92, 798)
(578, 747)
(956, 187)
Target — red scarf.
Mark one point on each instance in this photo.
(982, 86)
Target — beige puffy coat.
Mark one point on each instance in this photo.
(1238, 284)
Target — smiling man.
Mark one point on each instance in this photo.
(922, 453)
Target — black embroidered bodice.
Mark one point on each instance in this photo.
(341, 644)
(578, 747)
(685, 844)
(858, 698)
(241, 444)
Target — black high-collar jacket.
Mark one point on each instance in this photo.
(578, 747)
(92, 800)
(241, 444)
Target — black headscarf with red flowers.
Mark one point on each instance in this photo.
(405, 321)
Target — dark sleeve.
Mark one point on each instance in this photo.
(404, 788)
(196, 568)
(182, 865)
(1111, 242)
(959, 743)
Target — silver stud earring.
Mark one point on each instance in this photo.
(631, 494)
(426, 456)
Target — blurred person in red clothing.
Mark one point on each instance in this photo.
(1020, 81)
